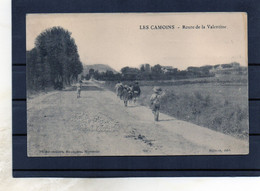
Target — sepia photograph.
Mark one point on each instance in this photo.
(137, 84)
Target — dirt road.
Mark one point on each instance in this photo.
(59, 124)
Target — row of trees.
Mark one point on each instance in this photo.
(146, 72)
(54, 62)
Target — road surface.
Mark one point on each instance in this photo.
(98, 124)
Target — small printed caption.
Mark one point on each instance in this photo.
(67, 152)
(219, 150)
(182, 27)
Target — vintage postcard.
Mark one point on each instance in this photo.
(137, 84)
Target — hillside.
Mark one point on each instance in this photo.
(100, 67)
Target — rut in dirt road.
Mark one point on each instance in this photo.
(99, 124)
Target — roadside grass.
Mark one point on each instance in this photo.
(204, 108)
(215, 104)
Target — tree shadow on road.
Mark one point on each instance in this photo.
(132, 106)
(166, 120)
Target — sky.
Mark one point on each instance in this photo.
(119, 40)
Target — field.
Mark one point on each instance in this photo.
(219, 103)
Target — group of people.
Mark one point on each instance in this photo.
(132, 92)
(128, 92)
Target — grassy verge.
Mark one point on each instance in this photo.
(215, 104)
(204, 109)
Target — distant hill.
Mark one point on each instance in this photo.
(99, 67)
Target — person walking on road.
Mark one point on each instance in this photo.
(126, 94)
(136, 91)
(119, 88)
(155, 102)
(79, 85)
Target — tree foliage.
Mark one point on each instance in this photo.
(54, 62)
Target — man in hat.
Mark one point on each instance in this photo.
(155, 101)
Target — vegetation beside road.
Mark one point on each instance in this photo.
(54, 62)
(215, 103)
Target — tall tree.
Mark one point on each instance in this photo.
(57, 60)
